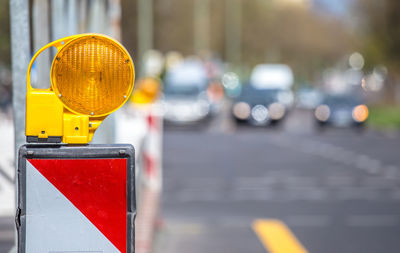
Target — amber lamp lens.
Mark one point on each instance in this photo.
(92, 75)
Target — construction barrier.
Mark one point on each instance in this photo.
(142, 126)
(76, 198)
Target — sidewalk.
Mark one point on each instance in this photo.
(7, 172)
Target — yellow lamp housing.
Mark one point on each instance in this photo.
(92, 75)
(146, 91)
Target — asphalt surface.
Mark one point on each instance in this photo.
(6, 234)
(337, 191)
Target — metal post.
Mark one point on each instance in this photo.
(114, 14)
(58, 19)
(97, 17)
(20, 56)
(145, 28)
(233, 31)
(41, 36)
(20, 53)
(82, 16)
(72, 17)
(201, 25)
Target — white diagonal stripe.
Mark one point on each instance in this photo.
(54, 224)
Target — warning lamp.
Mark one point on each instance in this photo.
(91, 76)
(146, 91)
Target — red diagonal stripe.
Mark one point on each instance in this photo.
(97, 187)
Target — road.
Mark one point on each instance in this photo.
(6, 234)
(336, 191)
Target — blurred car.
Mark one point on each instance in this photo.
(274, 77)
(344, 110)
(185, 100)
(259, 107)
(308, 98)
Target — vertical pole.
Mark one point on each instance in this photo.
(97, 16)
(233, 31)
(145, 29)
(58, 19)
(115, 18)
(201, 25)
(41, 36)
(20, 56)
(72, 17)
(82, 16)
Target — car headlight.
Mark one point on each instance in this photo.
(259, 113)
(322, 113)
(241, 110)
(276, 111)
(201, 108)
(360, 113)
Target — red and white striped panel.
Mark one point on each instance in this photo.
(76, 205)
(152, 152)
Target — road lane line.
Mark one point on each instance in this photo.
(373, 220)
(277, 237)
(337, 154)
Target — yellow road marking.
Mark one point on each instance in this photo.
(277, 237)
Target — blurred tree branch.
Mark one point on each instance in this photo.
(380, 21)
(5, 49)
